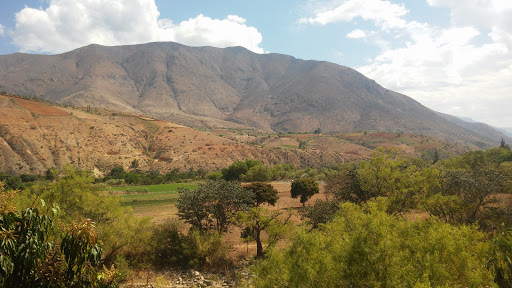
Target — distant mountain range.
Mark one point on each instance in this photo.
(229, 87)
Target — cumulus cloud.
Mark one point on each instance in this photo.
(460, 69)
(66, 24)
(356, 34)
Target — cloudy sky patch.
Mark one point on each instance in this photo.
(453, 56)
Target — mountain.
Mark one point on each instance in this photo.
(229, 87)
(506, 131)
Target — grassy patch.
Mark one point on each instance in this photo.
(151, 195)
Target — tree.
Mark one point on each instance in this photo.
(304, 187)
(259, 173)
(263, 193)
(213, 204)
(258, 220)
(237, 169)
(117, 173)
(465, 197)
(346, 186)
(320, 213)
(303, 144)
(504, 145)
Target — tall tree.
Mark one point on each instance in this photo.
(304, 187)
(213, 204)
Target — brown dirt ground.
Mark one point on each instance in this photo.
(40, 108)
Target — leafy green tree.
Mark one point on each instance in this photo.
(117, 173)
(366, 247)
(304, 187)
(259, 173)
(263, 193)
(237, 169)
(213, 204)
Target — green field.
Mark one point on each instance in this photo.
(150, 195)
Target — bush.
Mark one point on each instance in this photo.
(115, 182)
(365, 247)
(198, 249)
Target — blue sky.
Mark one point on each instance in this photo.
(452, 56)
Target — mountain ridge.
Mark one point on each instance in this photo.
(207, 86)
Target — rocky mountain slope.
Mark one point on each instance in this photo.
(230, 87)
(35, 136)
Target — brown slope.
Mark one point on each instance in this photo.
(35, 136)
(209, 86)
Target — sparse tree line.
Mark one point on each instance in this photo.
(391, 221)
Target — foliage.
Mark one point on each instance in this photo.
(81, 254)
(206, 250)
(263, 193)
(117, 173)
(214, 175)
(137, 177)
(320, 213)
(303, 144)
(237, 169)
(346, 186)
(79, 199)
(304, 187)
(23, 244)
(403, 181)
(258, 173)
(52, 174)
(504, 145)
(213, 204)
(500, 258)
(199, 250)
(465, 196)
(257, 220)
(366, 247)
(168, 245)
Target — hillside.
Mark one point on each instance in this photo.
(35, 136)
(230, 87)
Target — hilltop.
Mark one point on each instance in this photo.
(230, 88)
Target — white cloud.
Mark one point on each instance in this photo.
(69, 24)
(464, 69)
(357, 34)
(379, 11)
(2, 30)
